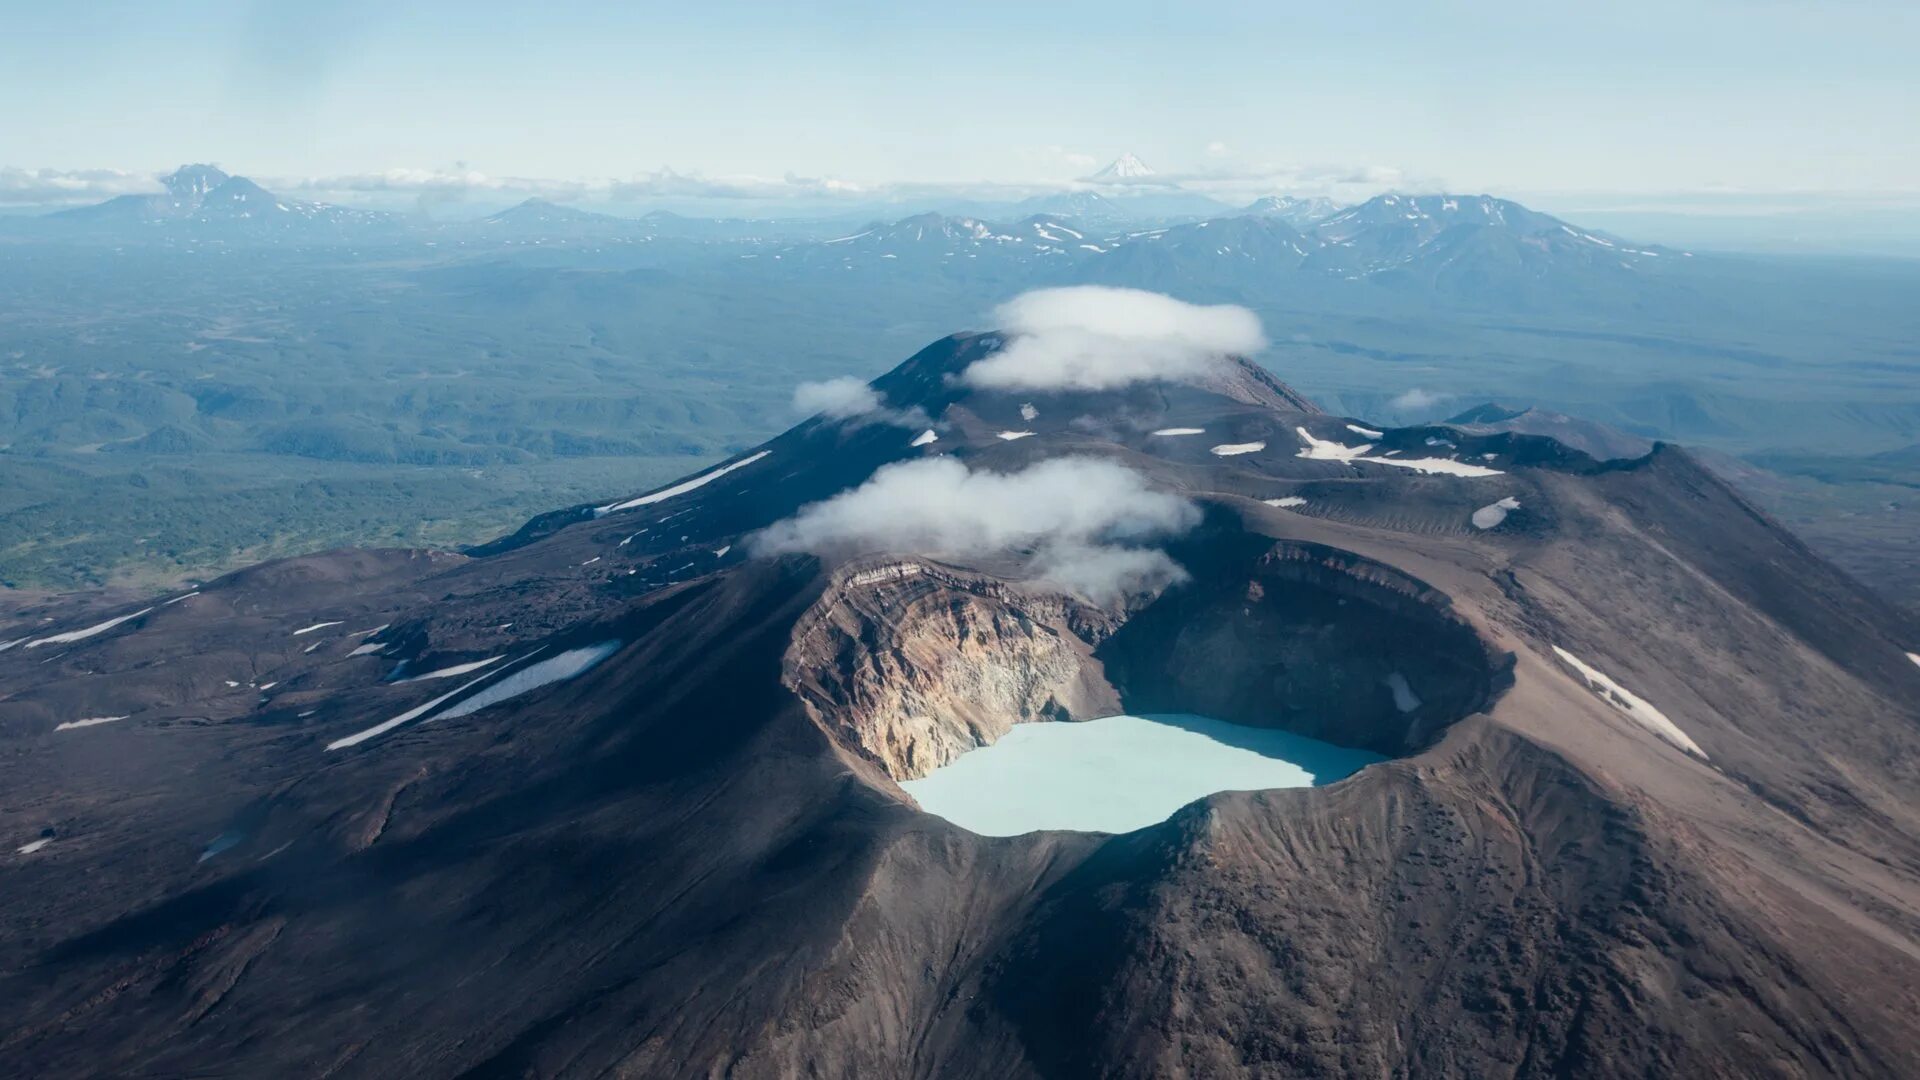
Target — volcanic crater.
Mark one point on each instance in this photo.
(910, 664)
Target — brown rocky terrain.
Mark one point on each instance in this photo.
(323, 835)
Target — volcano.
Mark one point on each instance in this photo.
(619, 794)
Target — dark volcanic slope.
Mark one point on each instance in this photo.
(1653, 810)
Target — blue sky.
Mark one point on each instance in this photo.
(1617, 99)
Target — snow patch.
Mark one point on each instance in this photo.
(1446, 466)
(457, 669)
(683, 487)
(414, 713)
(90, 721)
(1238, 448)
(30, 848)
(1286, 501)
(82, 635)
(1179, 431)
(1491, 515)
(1635, 707)
(1404, 698)
(567, 665)
(925, 438)
(315, 626)
(1327, 450)
(1009, 436)
(1366, 433)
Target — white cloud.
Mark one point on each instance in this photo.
(1045, 167)
(667, 182)
(847, 398)
(835, 399)
(1086, 525)
(55, 187)
(1416, 399)
(460, 180)
(1092, 337)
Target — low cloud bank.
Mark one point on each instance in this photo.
(847, 398)
(63, 187)
(1089, 525)
(835, 399)
(1092, 337)
(1417, 399)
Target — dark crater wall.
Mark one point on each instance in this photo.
(1306, 638)
(910, 664)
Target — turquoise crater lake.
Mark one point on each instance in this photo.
(1120, 773)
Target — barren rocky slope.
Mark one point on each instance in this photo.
(616, 795)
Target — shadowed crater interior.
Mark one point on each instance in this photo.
(912, 664)
(1312, 639)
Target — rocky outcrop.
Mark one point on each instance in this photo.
(911, 665)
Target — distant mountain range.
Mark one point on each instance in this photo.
(1295, 211)
(543, 213)
(204, 198)
(1476, 247)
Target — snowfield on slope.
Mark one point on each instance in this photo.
(1627, 702)
(414, 713)
(81, 635)
(1491, 515)
(567, 665)
(1328, 450)
(450, 672)
(90, 721)
(681, 488)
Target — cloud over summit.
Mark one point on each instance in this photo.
(1087, 524)
(836, 398)
(1093, 337)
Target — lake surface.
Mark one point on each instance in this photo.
(1120, 773)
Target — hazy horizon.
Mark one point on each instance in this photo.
(1700, 109)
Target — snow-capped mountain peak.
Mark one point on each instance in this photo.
(1124, 167)
(190, 183)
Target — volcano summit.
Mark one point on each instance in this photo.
(621, 793)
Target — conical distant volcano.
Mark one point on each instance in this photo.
(1123, 168)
